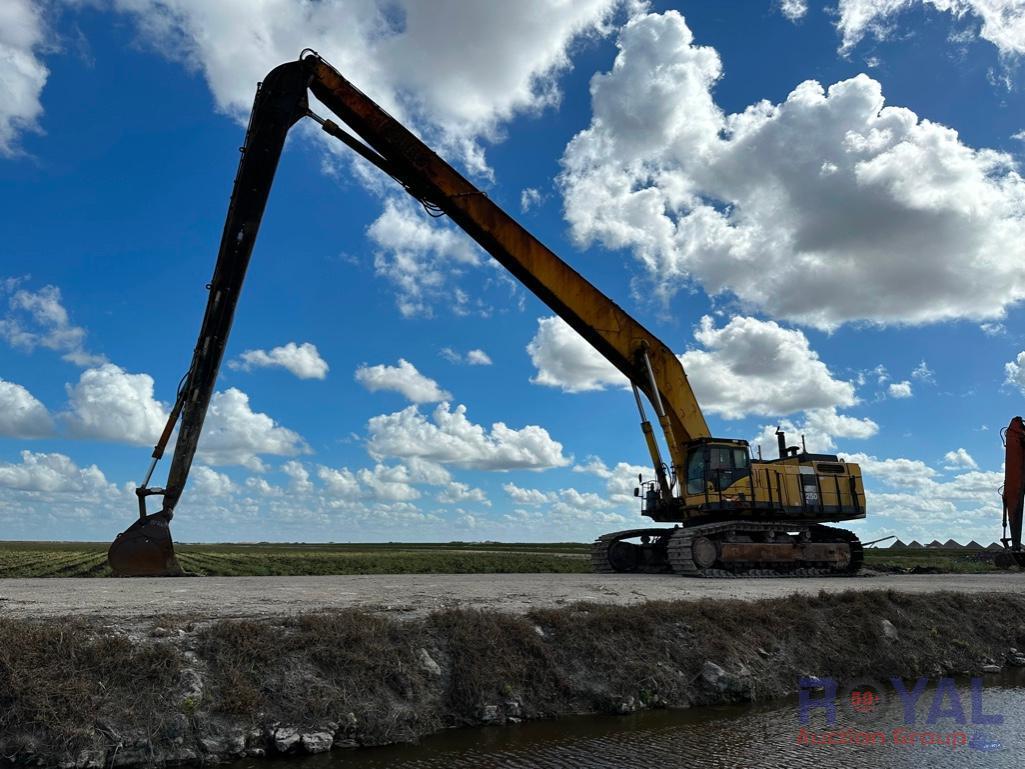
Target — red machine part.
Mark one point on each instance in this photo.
(1014, 493)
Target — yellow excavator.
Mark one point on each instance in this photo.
(732, 514)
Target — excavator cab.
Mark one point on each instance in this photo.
(713, 466)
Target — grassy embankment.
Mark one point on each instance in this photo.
(97, 695)
(87, 559)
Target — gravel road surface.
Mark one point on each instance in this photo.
(417, 594)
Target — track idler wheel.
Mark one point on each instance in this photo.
(704, 552)
(145, 549)
(624, 556)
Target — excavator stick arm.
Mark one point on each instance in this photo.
(280, 103)
(146, 548)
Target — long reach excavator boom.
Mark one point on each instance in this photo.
(738, 514)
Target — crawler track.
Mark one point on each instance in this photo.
(673, 550)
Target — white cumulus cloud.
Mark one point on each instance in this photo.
(565, 507)
(411, 57)
(402, 378)
(263, 488)
(907, 499)
(924, 374)
(894, 472)
(53, 473)
(110, 404)
(207, 482)
(39, 319)
(900, 389)
(461, 493)
(418, 256)
(299, 477)
(22, 73)
(620, 481)
(825, 208)
(22, 415)
(959, 460)
(234, 434)
(386, 483)
(1001, 22)
(820, 428)
(794, 10)
(478, 358)
(522, 496)
(529, 198)
(452, 356)
(340, 482)
(449, 437)
(564, 359)
(1014, 372)
(748, 366)
(303, 360)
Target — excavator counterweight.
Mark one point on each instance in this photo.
(733, 514)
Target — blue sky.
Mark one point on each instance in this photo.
(818, 207)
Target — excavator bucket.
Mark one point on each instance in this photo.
(145, 549)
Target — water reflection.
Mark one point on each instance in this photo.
(730, 737)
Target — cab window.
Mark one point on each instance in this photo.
(740, 459)
(715, 465)
(696, 472)
(720, 467)
(719, 459)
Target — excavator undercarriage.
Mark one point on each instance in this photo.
(738, 516)
(731, 549)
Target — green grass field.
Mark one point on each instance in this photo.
(88, 559)
(928, 560)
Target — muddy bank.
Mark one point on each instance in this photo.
(84, 693)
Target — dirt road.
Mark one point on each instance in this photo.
(414, 594)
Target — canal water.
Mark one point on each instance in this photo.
(871, 729)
